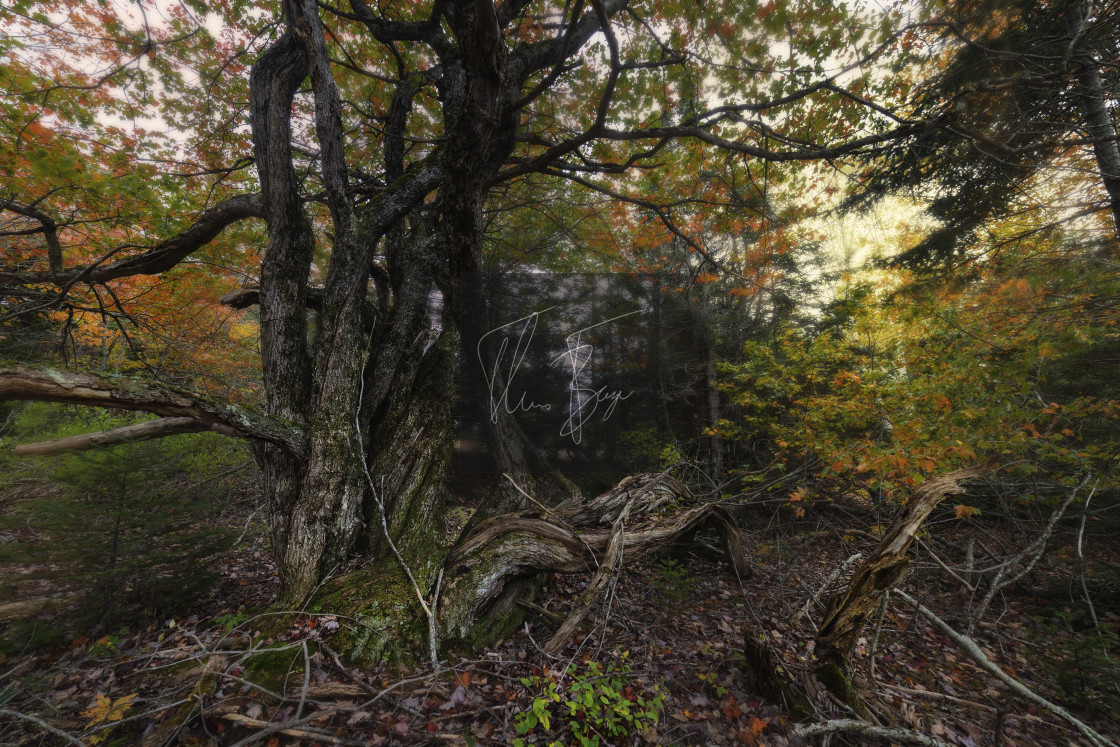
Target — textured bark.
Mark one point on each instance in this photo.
(1094, 107)
(323, 519)
(409, 458)
(273, 82)
(847, 613)
(641, 514)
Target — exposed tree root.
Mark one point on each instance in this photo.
(642, 516)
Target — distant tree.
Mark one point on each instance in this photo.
(1022, 87)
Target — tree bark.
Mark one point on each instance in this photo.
(1094, 106)
(847, 613)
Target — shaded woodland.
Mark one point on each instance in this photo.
(597, 373)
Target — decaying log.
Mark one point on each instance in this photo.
(847, 613)
(641, 517)
(145, 431)
(28, 608)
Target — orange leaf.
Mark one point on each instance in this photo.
(963, 511)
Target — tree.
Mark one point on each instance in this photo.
(373, 190)
(1023, 88)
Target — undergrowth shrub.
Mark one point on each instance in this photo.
(124, 533)
(671, 579)
(596, 705)
(1085, 660)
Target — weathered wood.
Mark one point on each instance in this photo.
(28, 608)
(145, 431)
(848, 612)
(765, 676)
(121, 393)
(641, 517)
(607, 568)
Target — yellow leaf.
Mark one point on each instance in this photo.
(107, 711)
(97, 714)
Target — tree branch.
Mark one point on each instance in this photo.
(968, 646)
(864, 729)
(53, 385)
(139, 432)
(169, 252)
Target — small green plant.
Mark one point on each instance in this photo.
(671, 579)
(597, 705)
(230, 620)
(132, 529)
(109, 644)
(711, 679)
(1087, 671)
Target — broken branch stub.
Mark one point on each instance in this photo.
(848, 612)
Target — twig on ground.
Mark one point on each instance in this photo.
(43, 725)
(314, 735)
(862, 728)
(933, 695)
(967, 645)
(875, 639)
(945, 567)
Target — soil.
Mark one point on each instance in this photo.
(669, 635)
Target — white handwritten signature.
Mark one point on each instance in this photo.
(583, 399)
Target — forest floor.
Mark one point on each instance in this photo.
(669, 635)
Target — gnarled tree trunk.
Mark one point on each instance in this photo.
(641, 517)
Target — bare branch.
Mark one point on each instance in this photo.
(864, 729)
(169, 252)
(145, 431)
(968, 646)
(121, 393)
